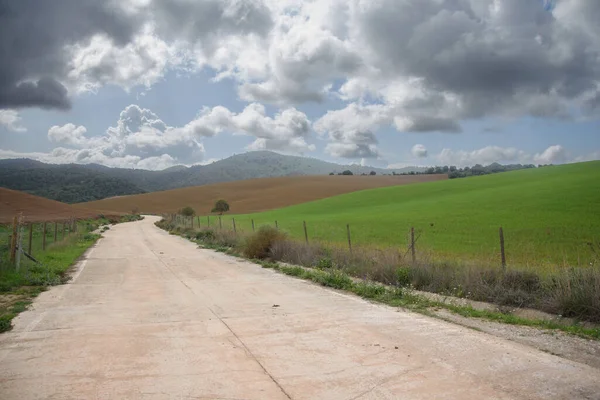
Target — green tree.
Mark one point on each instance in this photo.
(187, 211)
(347, 172)
(373, 173)
(221, 206)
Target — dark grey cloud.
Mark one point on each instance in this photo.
(33, 34)
(201, 21)
(495, 57)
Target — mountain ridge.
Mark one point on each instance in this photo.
(74, 183)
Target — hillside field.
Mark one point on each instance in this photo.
(36, 209)
(252, 195)
(550, 217)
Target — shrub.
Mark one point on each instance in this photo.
(187, 211)
(258, 246)
(205, 235)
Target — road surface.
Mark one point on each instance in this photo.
(149, 316)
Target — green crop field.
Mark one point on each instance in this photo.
(550, 216)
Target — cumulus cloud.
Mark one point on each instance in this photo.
(419, 151)
(11, 120)
(69, 134)
(555, 154)
(484, 156)
(141, 139)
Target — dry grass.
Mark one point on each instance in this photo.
(253, 195)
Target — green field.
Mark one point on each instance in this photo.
(550, 217)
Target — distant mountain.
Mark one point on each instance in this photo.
(70, 183)
(74, 183)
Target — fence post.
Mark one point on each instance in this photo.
(305, 232)
(198, 217)
(412, 245)
(55, 230)
(13, 241)
(192, 221)
(30, 237)
(63, 229)
(276, 226)
(349, 240)
(20, 241)
(252, 225)
(234, 228)
(502, 253)
(44, 238)
(220, 224)
(208, 220)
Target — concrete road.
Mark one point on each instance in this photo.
(149, 316)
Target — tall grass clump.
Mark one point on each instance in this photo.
(260, 244)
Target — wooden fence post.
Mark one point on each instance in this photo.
(349, 240)
(234, 228)
(220, 224)
(30, 237)
(55, 230)
(502, 253)
(305, 232)
(13, 241)
(276, 226)
(412, 245)
(208, 220)
(44, 238)
(252, 225)
(198, 217)
(63, 229)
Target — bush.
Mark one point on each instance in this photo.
(258, 246)
(205, 235)
(187, 211)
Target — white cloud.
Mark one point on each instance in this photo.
(484, 156)
(140, 139)
(68, 134)
(553, 154)
(556, 154)
(11, 120)
(419, 151)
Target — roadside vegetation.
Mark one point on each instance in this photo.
(19, 287)
(392, 278)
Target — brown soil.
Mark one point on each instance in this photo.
(37, 209)
(252, 195)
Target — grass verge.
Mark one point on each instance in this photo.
(18, 288)
(388, 281)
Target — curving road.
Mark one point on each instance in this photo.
(149, 316)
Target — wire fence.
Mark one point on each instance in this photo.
(488, 245)
(25, 239)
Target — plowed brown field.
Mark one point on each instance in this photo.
(252, 195)
(37, 209)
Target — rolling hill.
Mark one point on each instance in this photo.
(550, 216)
(254, 194)
(34, 208)
(74, 183)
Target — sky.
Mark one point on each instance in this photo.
(387, 83)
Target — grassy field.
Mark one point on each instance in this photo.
(253, 195)
(550, 217)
